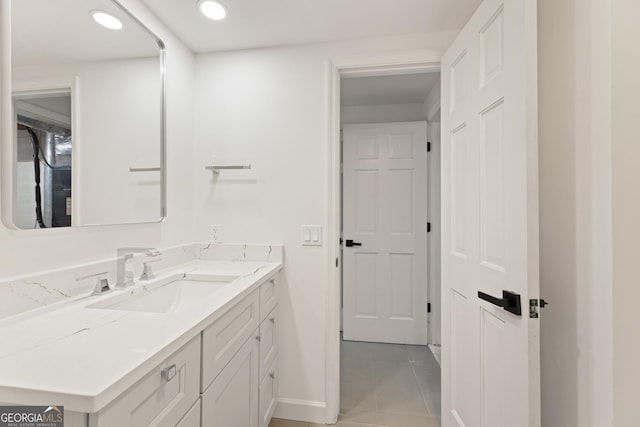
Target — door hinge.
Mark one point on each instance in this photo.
(428, 147)
(337, 263)
(428, 227)
(428, 307)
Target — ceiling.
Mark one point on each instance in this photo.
(394, 89)
(253, 24)
(47, 32)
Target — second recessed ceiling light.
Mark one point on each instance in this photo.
(106, 20)
(212, 9)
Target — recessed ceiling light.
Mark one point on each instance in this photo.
(106, 20)
(212, 9)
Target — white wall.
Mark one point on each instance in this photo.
(575, 213)
(382, 113)
(270, 108)
(625, 15)
(25, 252)
(432, 102)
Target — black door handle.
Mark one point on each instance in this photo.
(351, 243)
(510, 301)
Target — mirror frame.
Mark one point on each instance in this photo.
(8, 132)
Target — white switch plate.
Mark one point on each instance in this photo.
(311, 235)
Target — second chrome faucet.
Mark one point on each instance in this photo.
(124, 276)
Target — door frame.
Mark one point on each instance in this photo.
(380, 65)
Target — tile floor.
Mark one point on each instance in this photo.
(385, 385)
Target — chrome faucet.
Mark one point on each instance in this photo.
(124, 277)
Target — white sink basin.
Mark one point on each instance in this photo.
(176, 296)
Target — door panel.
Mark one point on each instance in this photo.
(490, 219)
(465, 402)
(366, 300)
(232, 398)
(366, 218)
(385, 209)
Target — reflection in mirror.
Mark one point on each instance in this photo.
(88, 109)
(44, 147)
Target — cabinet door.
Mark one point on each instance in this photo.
(161, 398)
(225, 336)
(232, 398)
(192, 419)
(268, 296)
(268, 394)
(268, 341)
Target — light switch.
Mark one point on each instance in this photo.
(311, 235)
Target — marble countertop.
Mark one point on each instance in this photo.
(83, 358)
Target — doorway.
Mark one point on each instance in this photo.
(389, 205)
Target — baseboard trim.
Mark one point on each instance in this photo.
(436, 350)
(301, 410)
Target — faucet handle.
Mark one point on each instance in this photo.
(153, 252)
(102, 283)
(147, 273)
(91, 275)
(150, 252)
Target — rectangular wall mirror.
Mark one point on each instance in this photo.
(87, 92)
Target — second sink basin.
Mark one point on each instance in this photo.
(178, 295)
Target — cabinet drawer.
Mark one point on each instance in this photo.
(225, 336)
(268, 296)
(161, 398)
(268, 395)
(232, 399)
(268, 341)
(192, 419)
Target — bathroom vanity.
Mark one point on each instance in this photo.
(195, 346)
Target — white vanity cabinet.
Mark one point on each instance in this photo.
(240, 388)
(232, 399)
(268, 393)
(269, 327)
(222, 340)
(268, 342)
(230, 353)
(161, 398)
(268, 367)
(268, 296)
(192, 418)
(226, 376)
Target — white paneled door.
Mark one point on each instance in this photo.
(491, 367)
(385, 232)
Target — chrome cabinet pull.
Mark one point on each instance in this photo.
(169, 373)
(272, 375)
(258, 338)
